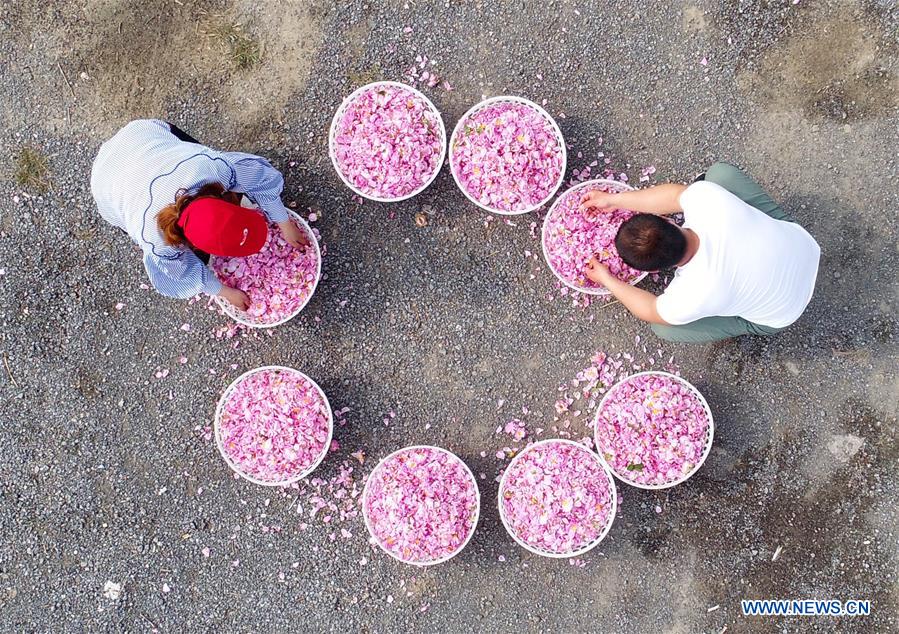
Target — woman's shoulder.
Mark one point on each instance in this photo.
(139, 129)
(130, 138)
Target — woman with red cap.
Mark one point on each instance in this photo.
(180, 202)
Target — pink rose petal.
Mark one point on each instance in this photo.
(507, 156)
(274, 425)
(572, 237)
(652, 429)
(279, 279)
(389, 141)
(556, 497)
(421, 504)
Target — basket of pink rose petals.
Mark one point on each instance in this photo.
(653, 430)
(507, 155)
(421, 505)
(557, 499)
(387, 141)
(273, 425)
(279, 280)
(571, 237)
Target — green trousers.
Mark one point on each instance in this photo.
(708, 329)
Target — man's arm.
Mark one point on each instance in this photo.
(660, 200)
(642, 304)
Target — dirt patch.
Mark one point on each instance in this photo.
(116, 61)
(653, 541)
(693, 19)
(131, 59)
(825, 539)
(858, 426)
(289, 38)
(836, 67)
(87, 382)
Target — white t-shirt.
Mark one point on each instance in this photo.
(748, 264)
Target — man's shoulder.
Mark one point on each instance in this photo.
(702, 192)
(710, 206)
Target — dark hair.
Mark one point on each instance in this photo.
(168, 216)
(649, 243)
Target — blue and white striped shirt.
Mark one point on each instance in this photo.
(141, 169)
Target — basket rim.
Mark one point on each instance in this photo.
(600, 292)
(584, 549)
(217, 425)
(474, 524)
(541, 111)
(232, 312)
(705, 453)
(332, 135)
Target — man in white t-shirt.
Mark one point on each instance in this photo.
(744, 266)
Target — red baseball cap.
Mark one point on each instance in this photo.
(222, 228)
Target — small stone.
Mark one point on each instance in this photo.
(844, 446)
(112, 590)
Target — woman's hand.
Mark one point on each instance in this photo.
(597, 272)
(598, 201)
(295, 236)
(237, 298)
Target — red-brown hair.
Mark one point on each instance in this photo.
(168, 216)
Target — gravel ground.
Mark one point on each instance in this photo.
(109, 477)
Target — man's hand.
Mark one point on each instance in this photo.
(661, 200)
(295, 236)
(597, 272)
(642, 304)
(598, 201)
(237, 298)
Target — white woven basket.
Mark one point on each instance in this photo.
(474, 524)
(620, 187)
(332, 136)
(247, 320)
(218, 416)
(543, 113)
(705, 453)
(544, 553)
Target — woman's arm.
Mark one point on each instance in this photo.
(660, 200)
(263, 184)
(184, 276)
(181, 276)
